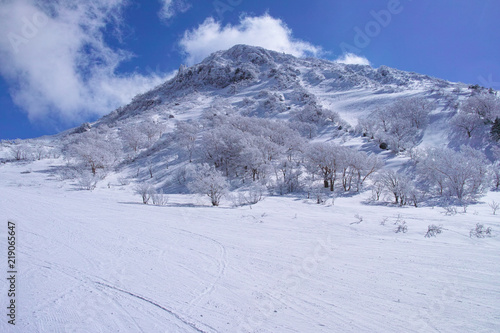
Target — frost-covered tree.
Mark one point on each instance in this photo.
(366, 127)
(417, 109)
(398, 184)
(221, 147)
(307, 130)
(325, 159)
(185, 135)
(495, 173)
(209, 181)
(96, 149)
(402, 135)
(363, 166)
(254, 160)
(146, 191)
(463, 174)
(287, 176)
(152, 129)
(133, 137)
(40, 151)
(316, 114)
(21, 150)
(399, 124)
(331, 162)
(485, 106)
(467, 123)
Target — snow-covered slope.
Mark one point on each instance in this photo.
(102, 262)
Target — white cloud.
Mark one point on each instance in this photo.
(353, 59)
(264, 31)
(57, 63)
(172, 7)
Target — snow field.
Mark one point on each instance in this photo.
(103, 262)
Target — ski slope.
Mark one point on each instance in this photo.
(103, 262)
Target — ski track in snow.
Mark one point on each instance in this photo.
(184, 321)
(221, 263)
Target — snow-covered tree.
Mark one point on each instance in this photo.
(417, 109)
(133, 137)
(462, 175)
(21, 150)
(152, 129)
(253, 158)
(209, 181)
(363, 166)
(398, 184)
(314, 113)
(485, 106)
(325, 159)
(467, 123)
(97, 149)
(185, 135)
(287, 176)
(145, 190)
(40, 151)
(495, 173)
(221, 147)
(399, 124)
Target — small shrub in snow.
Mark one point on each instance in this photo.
(320, 195)
(480, 231)
(159, 199)
(377, 190)
(359, 219)
(450, 210)
(433, 230)
(145, 191)
(123, 181)
(384, 221)
(402, 227)
(87, 181)
(66, 173)
(255, 194)
(494, 206)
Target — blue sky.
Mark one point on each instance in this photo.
(67, 62)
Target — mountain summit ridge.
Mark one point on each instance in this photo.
(228, 72)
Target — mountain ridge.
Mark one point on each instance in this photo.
(241, 66)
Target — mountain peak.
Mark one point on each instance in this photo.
(242, 53)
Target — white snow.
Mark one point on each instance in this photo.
(103, 262)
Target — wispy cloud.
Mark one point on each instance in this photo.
(57, 62)
(353, 59)
(264, 31)
(170, 8)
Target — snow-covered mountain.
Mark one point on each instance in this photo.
(253, 72)
(351, 199)
(235, 97)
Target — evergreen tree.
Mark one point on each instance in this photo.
(495, 129)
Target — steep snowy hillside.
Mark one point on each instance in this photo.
(284, 81)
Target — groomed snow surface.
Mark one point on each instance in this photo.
(102, 261)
